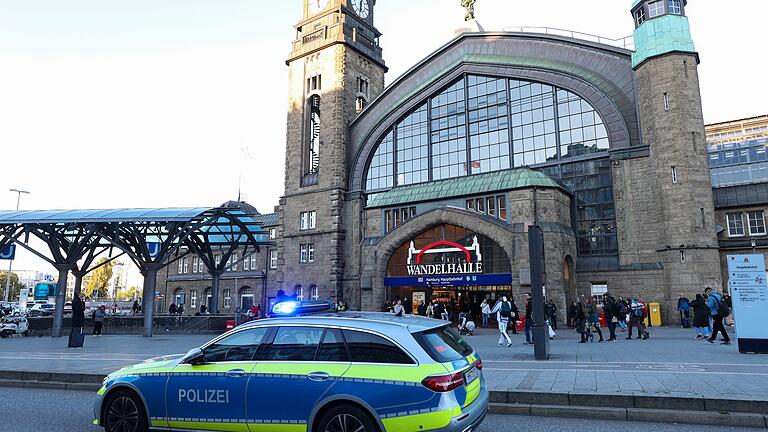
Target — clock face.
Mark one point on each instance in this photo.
(316, 6)
(361, 8)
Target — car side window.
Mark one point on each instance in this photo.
(295, 344)
(240, 346)
(332, 348)
(370, 348)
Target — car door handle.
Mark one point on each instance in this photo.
(236, 373)
(318, 376)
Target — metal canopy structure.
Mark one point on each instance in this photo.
(150, 237)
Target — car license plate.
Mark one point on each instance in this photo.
(470, 375)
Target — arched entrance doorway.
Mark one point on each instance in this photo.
(453, 265)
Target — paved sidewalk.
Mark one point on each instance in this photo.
(671, 363)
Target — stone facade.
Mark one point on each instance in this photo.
(342, 56)
(672, 123)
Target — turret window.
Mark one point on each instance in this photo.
(640, 16)
(655, 8)
(674, 7)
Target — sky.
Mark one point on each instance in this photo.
(162, 103)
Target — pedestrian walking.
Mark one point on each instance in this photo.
(528, 320)
(431, 310)
(398, 309)
(637, 315)
(594, 319)
(515, 316)
(422, 308)
(728, 302)
(719, 310)
(611, 311)
(700, 316)
(572, 312)
(485, 310)
(444, 312)
(98, 319)
(580, 317)
(503, 311)
(135, 308)
(623, 313)
(552, 313)
(76, 336)
(684, 306)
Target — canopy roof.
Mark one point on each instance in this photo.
(107, 215)
(464, 186)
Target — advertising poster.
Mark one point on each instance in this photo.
(749, 293)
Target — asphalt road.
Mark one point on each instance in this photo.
(23, 410)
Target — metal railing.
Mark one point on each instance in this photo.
(627, 42)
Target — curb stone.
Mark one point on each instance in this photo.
(708, 418)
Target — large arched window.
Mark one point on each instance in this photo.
(481, 124)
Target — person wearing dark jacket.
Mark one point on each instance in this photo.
(700, 317)
(581, 321)
(552, 313)
(515, 316)
(78, 316)
(528, 320)
(172, 309)
(611, 311)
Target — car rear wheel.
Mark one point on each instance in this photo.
(124, 412)
(346, 418)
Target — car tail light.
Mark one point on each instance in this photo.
(479, 364)
(444, 383)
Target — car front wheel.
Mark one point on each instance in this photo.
(346, 418)
(124, 412)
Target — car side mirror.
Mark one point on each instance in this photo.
(195, 356)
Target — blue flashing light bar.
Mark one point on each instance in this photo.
(295, 308)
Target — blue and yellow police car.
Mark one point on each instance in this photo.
(310, 372)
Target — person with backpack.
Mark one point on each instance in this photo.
(637, 315)
(593, 319)
(528, 320)
(684, 306)
(503, 311)
(623, 313)
(719, 310)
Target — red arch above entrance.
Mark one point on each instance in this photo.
(444, 243)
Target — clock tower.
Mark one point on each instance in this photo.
(335, 69)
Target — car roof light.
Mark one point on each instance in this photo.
(294, 307)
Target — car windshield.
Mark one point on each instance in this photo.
(443, 344)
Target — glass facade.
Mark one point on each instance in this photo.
(448, 120)
(381, 170)
(482, 124)
(412, 152)
(735, 162)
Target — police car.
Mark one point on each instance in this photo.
(307, 370)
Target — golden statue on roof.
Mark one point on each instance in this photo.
(469, 5)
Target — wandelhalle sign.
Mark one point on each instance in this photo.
(469, 266)
(464, 268)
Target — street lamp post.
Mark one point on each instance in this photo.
(10, 263)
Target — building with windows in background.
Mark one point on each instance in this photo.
(738, 162)
(424, 189)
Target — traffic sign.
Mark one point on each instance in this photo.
(9, 253)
